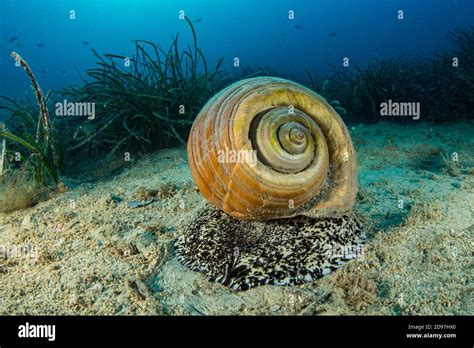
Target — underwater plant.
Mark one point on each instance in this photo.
(3, 150)
(450, 166)
(360, 91)
(443, 84)
(42, 160)
(462, 79)
(142, 103)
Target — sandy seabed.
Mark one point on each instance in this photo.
(86, 252)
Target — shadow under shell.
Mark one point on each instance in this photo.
(245, 254)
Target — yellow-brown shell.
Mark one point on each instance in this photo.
(305, 162)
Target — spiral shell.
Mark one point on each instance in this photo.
(266, 148)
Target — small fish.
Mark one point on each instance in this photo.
(43, 71)
(198, 20)
(13, 38)
(138, 204)
(85, 42)
(41, 44)
(19, 45)
(333, 34)
(297, 26)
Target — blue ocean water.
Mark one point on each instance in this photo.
(258, 32)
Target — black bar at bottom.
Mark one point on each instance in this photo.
(239, 330)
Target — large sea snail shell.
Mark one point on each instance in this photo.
(304, 164)
(297, 151)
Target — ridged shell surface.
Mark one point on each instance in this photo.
(266, 148)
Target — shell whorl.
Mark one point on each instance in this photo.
(266, 148)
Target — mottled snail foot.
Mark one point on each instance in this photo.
(244, 254)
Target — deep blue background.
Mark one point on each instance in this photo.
(257, 31)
